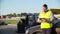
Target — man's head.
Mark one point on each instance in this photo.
(44, 8)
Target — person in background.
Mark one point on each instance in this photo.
(45, 18)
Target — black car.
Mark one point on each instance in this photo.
(37, 30)
(29, 21)
(30, 25)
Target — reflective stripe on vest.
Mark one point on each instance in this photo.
(46, 15)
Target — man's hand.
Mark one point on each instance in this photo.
(39, 21)
(43, 20)
(48, 20)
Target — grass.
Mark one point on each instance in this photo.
(11, 21)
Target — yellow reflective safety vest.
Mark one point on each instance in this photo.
(46, 15)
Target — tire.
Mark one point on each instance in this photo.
(37, 33)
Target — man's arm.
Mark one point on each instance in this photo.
(39, 18)
(52, 17)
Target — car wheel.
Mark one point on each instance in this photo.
(37, 33)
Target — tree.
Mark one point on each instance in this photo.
(9, 15)
(14, 15)
(19, 15)
(23, 14)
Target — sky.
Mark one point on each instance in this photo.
(27, 6)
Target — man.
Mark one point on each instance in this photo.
(46, 18)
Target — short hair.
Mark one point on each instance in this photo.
(45, 5)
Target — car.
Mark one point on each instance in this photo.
(30, 25)
(27, 22)
(37, 30)
(2, 22)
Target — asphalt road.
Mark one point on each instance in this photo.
(9, 29)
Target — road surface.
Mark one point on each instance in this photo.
(9, 29)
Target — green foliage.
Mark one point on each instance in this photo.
(23, 14)
(11, 21)
(12, 15)
(19, 15)
(15, 15)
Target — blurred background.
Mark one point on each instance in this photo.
(12, 11)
